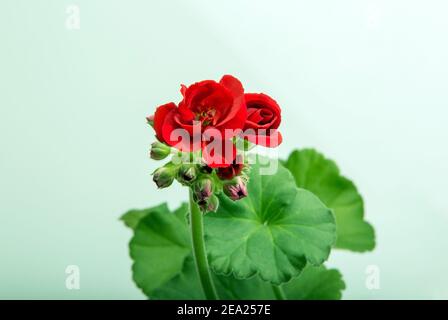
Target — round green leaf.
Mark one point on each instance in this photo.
(184, 286)
(159, 247)
(273, 232)
(314, 283)
(321, 176)
(133, 217)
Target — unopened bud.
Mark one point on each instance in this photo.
(159, 150)
(205, 169)
(150, 120)
(186, 174)
(164, 176)
(209, 205)
(202, 189)
(230, 172)
(233, 170)
(236, 189)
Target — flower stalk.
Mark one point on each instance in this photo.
(199, 252)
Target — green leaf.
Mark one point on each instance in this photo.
(273, 232)
(321, 176)
(230, 288)
(184, 286)
(314, 283)
(133, 217)
(172, 273)
(159, 247)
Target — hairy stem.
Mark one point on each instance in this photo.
(278, 291)
(199, 253)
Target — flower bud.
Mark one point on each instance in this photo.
(202, 189)
(186, 174)
(236, 189)
(205, 169)
(164, 176)
(235, 169)
(209, 205)
(230, 172)
(159, 150)
(150, 120)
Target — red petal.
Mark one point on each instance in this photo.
(239, 106)
(197, 92)
(182, 138)
(272, 140)
(232, 84)
(264, 103)
(219, 153)
(236, 124)
(185, 113)
(160, 117)
(183, 88)
(254, 115)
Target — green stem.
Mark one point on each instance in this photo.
(199, 253)
(278, 291)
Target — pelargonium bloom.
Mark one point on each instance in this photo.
(208, 117)
(207, 125)
(263, 120)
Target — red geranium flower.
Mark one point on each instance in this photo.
(208, 108)
(263, 119)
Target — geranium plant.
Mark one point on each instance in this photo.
(254, 227)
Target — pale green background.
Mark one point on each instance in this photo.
(363, 81)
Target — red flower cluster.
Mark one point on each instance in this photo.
(211, 114)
